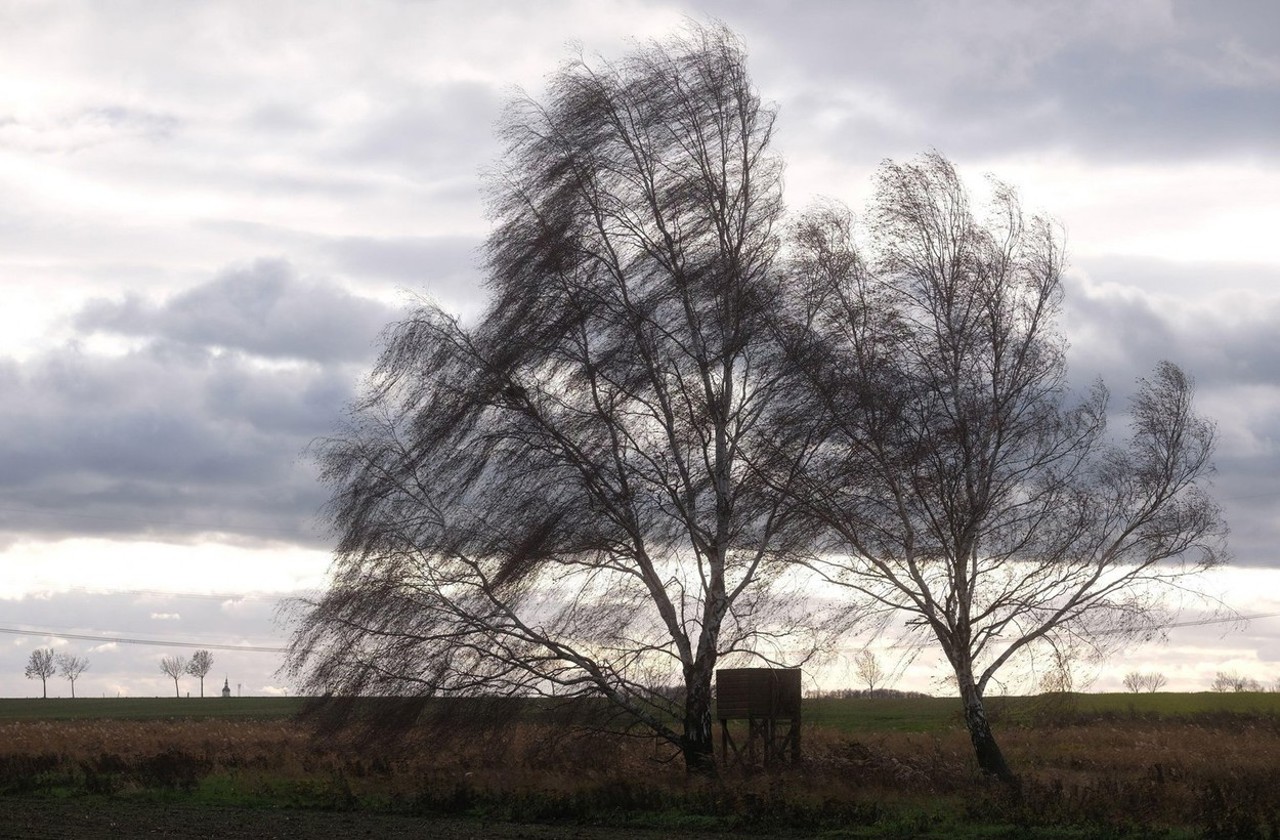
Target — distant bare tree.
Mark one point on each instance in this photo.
(1137, 682)
(1232, 681)
(963, 487)
(867, 665)
(199, 666)
(174, 667)
(71, 667)
(41, 665)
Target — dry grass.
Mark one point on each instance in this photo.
(1216, 774)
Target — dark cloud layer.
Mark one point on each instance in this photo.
(261, 309)
(1233, 353)
(201, 427)
(445, 267)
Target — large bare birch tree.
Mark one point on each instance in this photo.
(558, 498)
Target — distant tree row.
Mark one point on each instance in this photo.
(44, 663)
(1223, 681)
(1231, 681)
(199, 665)
(1139, 682)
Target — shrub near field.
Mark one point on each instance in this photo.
(1084, 772)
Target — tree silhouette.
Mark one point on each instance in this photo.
(868, 669)
(199, 666)
(960, 486)
(41, 665)
(559, 499)
(71, 667)
(174, 667)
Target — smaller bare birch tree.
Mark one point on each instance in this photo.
(961, 486)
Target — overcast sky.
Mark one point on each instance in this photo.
(209, 211)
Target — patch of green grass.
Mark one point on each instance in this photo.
(937, 714)
(149, 708)
(1181, 703)
(883, 714)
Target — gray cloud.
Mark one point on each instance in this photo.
(1132, 312)
(189, 432)
(1230, 345)
(1110, 81)
(434, 133)
(445, 267)
(263, 309)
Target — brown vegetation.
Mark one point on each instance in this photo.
(1210, 772)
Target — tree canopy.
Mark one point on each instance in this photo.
(959, 483)
(559, 498)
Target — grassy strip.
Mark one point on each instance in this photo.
(853, 715)
(1211, 774)
(149, 708)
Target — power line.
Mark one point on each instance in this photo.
(162, 593)
(88, 637)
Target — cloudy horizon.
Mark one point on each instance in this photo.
(210, 213)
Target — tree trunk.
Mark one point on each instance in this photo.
(990, 759)
(44, 689)
(697, 743)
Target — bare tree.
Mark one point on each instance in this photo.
(1060, 678)
(960, 486)
(41, 665)
(867, 666)
(559, 499)
(199, 666)
(174, 667)
(71, 667)
(1232, 681)
(1153, 682)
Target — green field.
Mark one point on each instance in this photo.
(148, 708)
(857, 714)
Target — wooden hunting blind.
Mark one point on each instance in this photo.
(764, 698)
